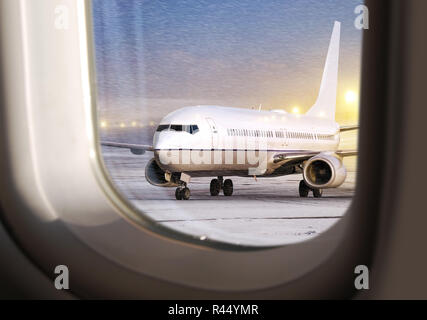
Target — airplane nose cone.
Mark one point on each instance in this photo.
(166, 141)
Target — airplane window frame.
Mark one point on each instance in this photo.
(28, 221)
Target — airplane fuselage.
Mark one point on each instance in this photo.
(223, 141)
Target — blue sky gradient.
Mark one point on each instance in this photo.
(153, 57)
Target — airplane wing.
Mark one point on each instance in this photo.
(346, 153)
(349, 128)
(294, 157)
(137, 149)
(297, 157)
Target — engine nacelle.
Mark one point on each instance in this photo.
(323, 171)
(158, 177)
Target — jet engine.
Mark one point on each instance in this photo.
(324, 170)
(158, 177)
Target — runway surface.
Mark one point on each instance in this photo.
(266, 211)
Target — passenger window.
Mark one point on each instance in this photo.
(161, 67)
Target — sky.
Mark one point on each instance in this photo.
(155, 56)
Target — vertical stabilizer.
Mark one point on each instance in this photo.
(327, 99)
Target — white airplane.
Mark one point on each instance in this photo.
(214, 141)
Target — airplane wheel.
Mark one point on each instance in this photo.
(185, 193)
(228, 187)
(215, 187)
(317, 193)
(303, 189)
(178, 194)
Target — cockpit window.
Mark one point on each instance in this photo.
(192, 128)
(162, 127)
(176, 127)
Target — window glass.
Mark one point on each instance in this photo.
(194, 129)
(176, 127)
(162, 127)
(169, 72)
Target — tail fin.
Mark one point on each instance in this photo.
(327, 99)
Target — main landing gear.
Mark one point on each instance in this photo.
(219, 184)
(304, 190)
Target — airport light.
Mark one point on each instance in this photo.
(350, 97)
(296, 110)
(122, 125)
(134, 123)
(104, 124)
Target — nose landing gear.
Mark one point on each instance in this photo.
(182, 193)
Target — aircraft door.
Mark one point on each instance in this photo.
(284, 138)
(214, 133)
